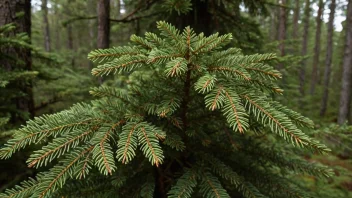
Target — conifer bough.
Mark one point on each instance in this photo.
(185, 125)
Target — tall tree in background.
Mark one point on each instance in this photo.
(282, 30)
(315, 71)
(199, 17)
(345, 98)
(46, 25)
(57, 27)
(9, 13)
(273, 24)
(328, 58)
(295, 20)
(103, 24)
(304, 46)
(70, 34)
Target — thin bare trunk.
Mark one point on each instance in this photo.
(46, 26)
(302, 74)
(70, 42)
(295, 20)
(103, 24)
(282, 30)
(92, 29)
(118, 8)
(345, 98)
(316, 48)
(328, 59)
(273, 24)
(57, 28)
(70, 35)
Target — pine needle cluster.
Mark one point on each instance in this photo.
(195, 119)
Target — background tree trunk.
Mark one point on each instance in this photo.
(273, 25)
(199, 18)
(70, 35)
(345, 98)
(282, 30)
(103, 24)
(315, 71)
(70, 42)
(57, 27)
(295, 20)
(103, 37)
(8, 10)
(304, 47)
(46, 26)
(328, 58)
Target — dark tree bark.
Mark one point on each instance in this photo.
(46, 26)
(345, 98)
(103, 38)
(103, 24)
(8, 10)
(282, 30)
(315, 70)
(302, 73)
(328, 59)
(199, 18)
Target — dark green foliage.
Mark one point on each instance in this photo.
(193, 120)
(10, 78)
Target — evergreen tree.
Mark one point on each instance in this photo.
(194, 120)
(10, 80)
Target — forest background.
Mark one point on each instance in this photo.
(312, 39)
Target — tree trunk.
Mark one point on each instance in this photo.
(103, 24)
(92, 31)
(8, 10)
(304, 47)
(70, 42)
(198, 18)
(70, 34)
(345, 98)
(295, 20)
(118, 9)
(273, 25)
(282, 30)
(328, 59)
(46, 26)
(316, 48)
(57, 27)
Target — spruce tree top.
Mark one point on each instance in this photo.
(190, 110)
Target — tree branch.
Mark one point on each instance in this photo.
(124, 20)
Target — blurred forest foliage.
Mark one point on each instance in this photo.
(50, 72)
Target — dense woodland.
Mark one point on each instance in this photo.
(176, 98)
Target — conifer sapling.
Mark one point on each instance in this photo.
(195, 119)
